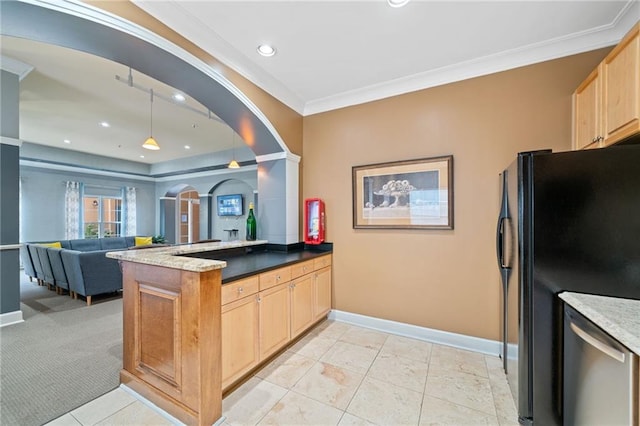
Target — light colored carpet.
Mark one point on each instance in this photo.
(64, 355)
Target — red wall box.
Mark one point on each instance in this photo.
(314, 225)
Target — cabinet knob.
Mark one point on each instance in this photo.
(277, 277)
(240, 289)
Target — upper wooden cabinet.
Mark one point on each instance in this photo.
(586, 107)
(607, 104)
(621, 89)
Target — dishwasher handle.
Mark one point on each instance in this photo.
(596, 343)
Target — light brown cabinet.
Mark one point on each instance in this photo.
(263, 313)
(322, 288)
(172, 339)
(302, 309)
(606, 105)
(240, 334)
(621, 89)
(586, 107)
(275, 316)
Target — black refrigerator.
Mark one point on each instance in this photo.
(569, 221)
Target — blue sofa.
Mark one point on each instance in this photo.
(79, 267)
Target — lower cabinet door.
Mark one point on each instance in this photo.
(239, 338)
(301, 304)
(322, 286)
(274, 311)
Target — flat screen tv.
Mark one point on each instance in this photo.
(230, 205)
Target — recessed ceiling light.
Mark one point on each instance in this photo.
(266, 50)
(187, 147)
(105, 124)
(179, 97)
(66, 141)
(397, 3)
(142, 156)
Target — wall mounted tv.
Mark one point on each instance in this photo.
(230, 205)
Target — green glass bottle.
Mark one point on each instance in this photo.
(251, 224)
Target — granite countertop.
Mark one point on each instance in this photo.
(618, 317)
(169, 257)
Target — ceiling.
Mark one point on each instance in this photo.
(330, 54)
(69, 93)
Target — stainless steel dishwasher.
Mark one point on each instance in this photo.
(600, 376)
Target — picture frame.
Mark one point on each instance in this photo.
(410, 194)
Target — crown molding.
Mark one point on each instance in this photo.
(85, 170)
(604, 36)
(224, 171)
(4, 140)
(177, 176)
(201, 34)
(15, 66)
(207, 38)
(278, 156)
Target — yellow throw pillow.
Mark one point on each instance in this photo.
(143, 241)
(57, 244)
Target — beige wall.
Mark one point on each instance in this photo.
(447, 280)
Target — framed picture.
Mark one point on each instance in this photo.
(412, 194)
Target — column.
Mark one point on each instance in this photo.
(9, 194)
(278, 206)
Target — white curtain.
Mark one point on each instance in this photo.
(130, 209)
(72, 211)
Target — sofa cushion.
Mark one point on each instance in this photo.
(143, 241)
(56, 244)
(113, 243)
(87, 244)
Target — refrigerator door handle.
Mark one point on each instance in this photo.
(504, 214)
(601, 346)
(500, 243)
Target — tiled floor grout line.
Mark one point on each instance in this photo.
(364, 376)
(493, 395)
(290, 389)
(424, 388)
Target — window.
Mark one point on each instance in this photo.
(102, 216)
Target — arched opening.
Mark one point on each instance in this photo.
(85, 28)
(180, 215)
(226, 224)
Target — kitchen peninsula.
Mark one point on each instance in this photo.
(198, 317)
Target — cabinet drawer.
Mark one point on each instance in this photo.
(239, 289)
(275, 277)
(302, 268)
(321, 262)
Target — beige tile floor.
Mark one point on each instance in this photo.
(340, 374)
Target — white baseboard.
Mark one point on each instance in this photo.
(476, 344)
(11, 318)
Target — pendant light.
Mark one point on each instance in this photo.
(151, 143)
(233, 164)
